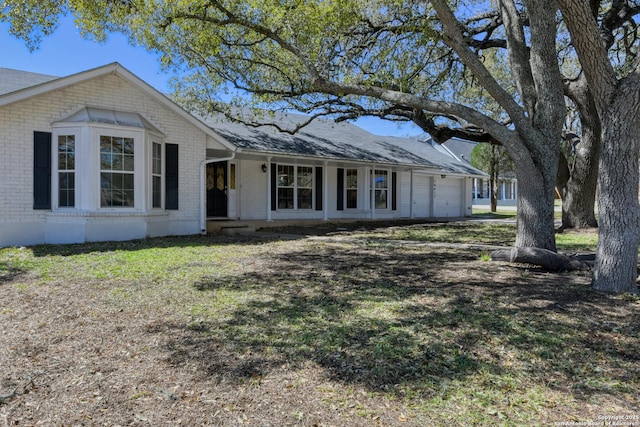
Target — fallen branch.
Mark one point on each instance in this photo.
(549, 260)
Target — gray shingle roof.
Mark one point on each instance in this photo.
(337, 141)
(460, 148)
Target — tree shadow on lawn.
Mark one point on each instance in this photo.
(404, 321)
(9, 272)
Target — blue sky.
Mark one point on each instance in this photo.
(65, 52)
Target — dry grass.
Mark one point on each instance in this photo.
(341, 330)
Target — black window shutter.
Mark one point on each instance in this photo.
(171, 176)
(394, 192)
(340, 189)
(319, 194)
(274, 187)
(41, 170)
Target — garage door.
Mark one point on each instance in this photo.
(449, 197)
(421, 196)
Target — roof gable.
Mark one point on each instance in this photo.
(115, 68)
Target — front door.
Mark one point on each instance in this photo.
(217, 190)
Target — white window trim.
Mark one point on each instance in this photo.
(55, 171)
(346, 189)
(295, 188)
(88, 168)
(155, 139)
(387, 188)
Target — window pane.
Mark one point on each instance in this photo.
(156, 163)
(66, 152)
(305, 177)
(381, 199)
(105, 189)
(127, 181)
(285, 198)
(116, 153)
(106, 161)
(305, 198)
(352, 178)
(66, 189)
(127, 146)
(117, 162)
(232, 176)
(285, 176)
(105, 144)
(157, 192)
(352, 199)
(127, 163)
(381, 179)
(116, 189)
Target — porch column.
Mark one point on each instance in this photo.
(372, 196)
(325, 191)
(412, 214)
(269, 189)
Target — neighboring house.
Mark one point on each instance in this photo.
(101, 155)
(507, 182)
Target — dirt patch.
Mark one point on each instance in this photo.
(325, 333)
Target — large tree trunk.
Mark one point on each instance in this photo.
(535, 223)
(547, 112)
(616, 268)
(618, 104)
(493, 177)
(579, 195)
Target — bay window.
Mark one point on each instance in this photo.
(110, 160)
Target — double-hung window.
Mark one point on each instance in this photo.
(381, 180)
(352, 188)
(66, 171)
(156, 175)
(295, 187)
(116, 171)
(305, 187)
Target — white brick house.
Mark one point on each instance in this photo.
(101, 155)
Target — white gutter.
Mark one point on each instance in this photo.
(203, 189)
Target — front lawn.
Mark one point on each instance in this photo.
(335, 330)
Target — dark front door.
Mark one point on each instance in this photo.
(217, 189)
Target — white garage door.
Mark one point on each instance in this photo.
(421, 196)
(449, 197)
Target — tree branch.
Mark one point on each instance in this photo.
(591, 52)
(518, 54)
(455, 40)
